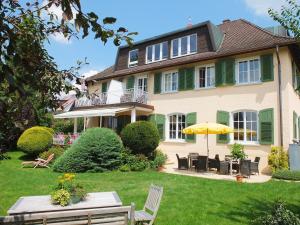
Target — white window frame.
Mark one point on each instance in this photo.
(188, 46)
(134, 63)
(197, 77)
(136, 85)
(163, 81)
(167, 130)
(153, 52)
(237, 69)
(244, 142)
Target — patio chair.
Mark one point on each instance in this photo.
(224, 167)
(183, 163)
(254, 165)
(201, 163)
(149, 212)
(39, 162)
(214, 163)
(245, 167)
(193, 157)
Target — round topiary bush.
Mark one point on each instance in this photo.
(35, 140)
(96, 150)
(141, 137)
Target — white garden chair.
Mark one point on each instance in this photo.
(149, 212)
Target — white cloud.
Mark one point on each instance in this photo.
(60, 38)
(89, 73)
(261, 7)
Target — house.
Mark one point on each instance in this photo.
(235, 73)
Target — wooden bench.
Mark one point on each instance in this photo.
(107, 216)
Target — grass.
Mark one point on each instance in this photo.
(186, 200)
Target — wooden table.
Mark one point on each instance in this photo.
(40, 204)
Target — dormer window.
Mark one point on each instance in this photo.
(157, 52)
(184, 46)
(133, 58)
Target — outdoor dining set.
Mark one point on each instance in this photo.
(229, 165)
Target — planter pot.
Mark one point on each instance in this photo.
(75, 199)
(239, 179)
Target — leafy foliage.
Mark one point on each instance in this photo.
(30, 80)
(133, 162)
(287, 175)
(159, 159)
(141, 137)
(96, 150)
(35, 140)
(279, 215)
(60, 197)
(237, 151)
(288, 17)
(278, 159)
(56, 150)
(67, 125)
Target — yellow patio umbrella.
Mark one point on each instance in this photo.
(208, 128)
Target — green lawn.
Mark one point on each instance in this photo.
(186, 200)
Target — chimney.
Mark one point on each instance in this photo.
(226, 20)
(189, 25)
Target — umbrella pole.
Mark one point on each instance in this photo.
(207, 149)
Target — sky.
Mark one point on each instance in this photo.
(150, 18)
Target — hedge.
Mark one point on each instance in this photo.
(287, 175)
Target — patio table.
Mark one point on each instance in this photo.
(41, 204)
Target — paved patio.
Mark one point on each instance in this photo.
(172, 168)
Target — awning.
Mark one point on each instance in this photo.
(90, 113)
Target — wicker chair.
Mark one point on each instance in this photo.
(201, 163)
(224, 167)
(254, 165)
(214, 163)
(183, 163)
(245, 167)
(193, 157)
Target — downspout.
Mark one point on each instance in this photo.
(279, 98)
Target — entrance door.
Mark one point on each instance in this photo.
(142, 83)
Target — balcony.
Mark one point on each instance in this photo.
(113, 97)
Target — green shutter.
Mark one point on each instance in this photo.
(181, 79)
(190, 78)
(295, 117)
(229, 71)
(266, 127)
(159, 121)
(104, 87)
(267, 68)
(191, 119)
(225, 72)
(223, 118)
(130, 82)
(157, 83)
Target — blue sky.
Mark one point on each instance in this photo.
(150, 18)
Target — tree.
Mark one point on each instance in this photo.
(30, 80)
(288, 17)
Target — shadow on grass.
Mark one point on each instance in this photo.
(27, 158)
(252, 209)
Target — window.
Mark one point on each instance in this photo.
(176, 125)
(141, 83)
(157, 52)
(245, 126)
(170, 82)
(248, 71)
(133, 58)
(205, 77)
(184, 45)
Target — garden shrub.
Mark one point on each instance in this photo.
(279, 215)
(134, 162)
(96, 150)
(56, 150)
(287, 175)
(237, 151)
(159, 159)
(124, 168)
(141, 137)
(278, 159)
(67, 125)
(35, 140)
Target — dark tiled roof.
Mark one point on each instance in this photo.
(240, 36)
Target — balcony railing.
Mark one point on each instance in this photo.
(129, 95)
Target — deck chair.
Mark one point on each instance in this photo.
(149, 212)
(39, 162)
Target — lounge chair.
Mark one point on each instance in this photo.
(183, 163)
(39, 162)
(245, 167)
(254, 165)
(201, 163)
(149, 212)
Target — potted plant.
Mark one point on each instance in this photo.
(68, 191)
(237, 152)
